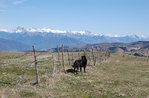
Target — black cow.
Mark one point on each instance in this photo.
(79, 64)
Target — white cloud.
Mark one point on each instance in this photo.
(18, 2)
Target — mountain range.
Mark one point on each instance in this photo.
(21, 39)
(10, 45)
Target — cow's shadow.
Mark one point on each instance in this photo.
(70, 70)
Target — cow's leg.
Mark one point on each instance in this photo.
(74, 69)
(80, 69)
(84, 68)
(77, 70)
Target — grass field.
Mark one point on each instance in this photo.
(117, 77)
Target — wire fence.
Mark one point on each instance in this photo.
(48, 64)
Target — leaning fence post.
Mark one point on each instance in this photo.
(63, 58)
(36, 68)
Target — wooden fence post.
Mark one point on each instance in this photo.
(79, 55)
(58, 56)
(63, 59)
(36, 68)
(53, 65)
(94, 59)
(72, 57)
(68, 57)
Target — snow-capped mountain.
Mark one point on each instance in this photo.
(47, 38)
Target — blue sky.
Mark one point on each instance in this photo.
(103, 16)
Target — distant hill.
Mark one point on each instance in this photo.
(9, 45)
(120, 47)
(112, 47)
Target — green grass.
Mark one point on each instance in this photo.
(117, 77)
(27, 93)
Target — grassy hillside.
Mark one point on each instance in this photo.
(118, 77)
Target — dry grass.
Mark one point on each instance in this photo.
(118, 77)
